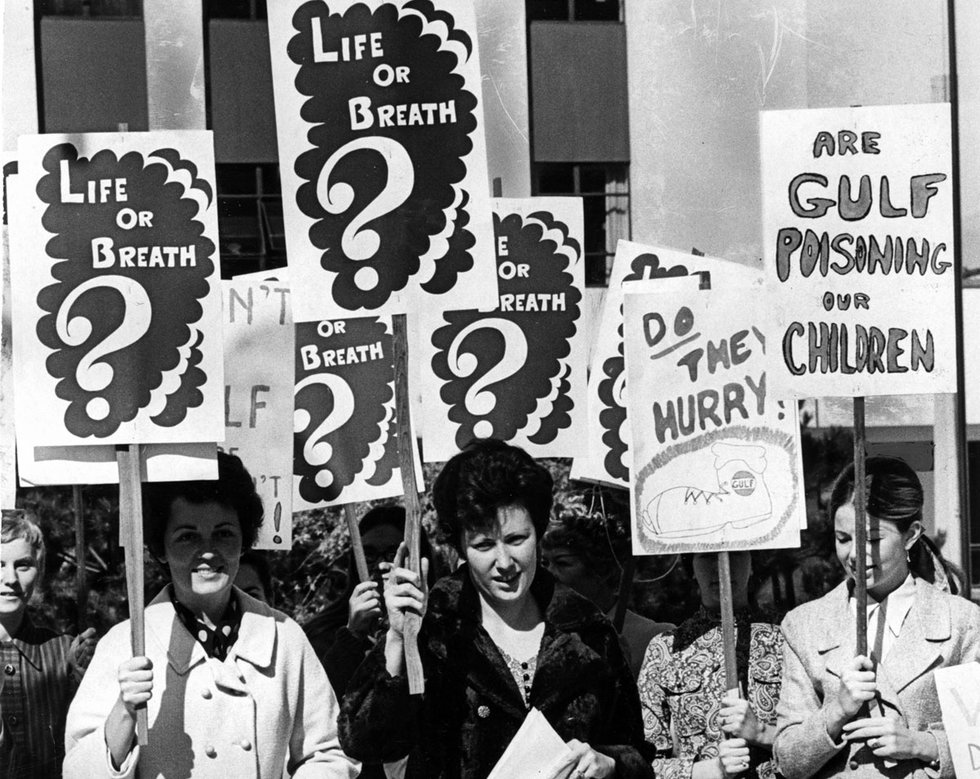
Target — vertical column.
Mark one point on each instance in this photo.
(175, 64)
(951, 451)
(18, 81)
(503, 65)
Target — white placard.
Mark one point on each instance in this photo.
(117, 310)
(259, 342)
(716, 459)
(608, 458)
(858, 219)
(516, 372)
(383, 157)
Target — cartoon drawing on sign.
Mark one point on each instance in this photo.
(389, 137)
(131, 268)
(741, 498)
(612, 415)
(508, 372)
(340, 434)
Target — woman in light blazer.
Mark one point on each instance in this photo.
(867, 716)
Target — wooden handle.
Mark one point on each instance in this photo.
(413, 509)
(727, 620)
(860, 531)
(131, 535)
(356, 546)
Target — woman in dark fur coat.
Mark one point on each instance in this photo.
(498, 637)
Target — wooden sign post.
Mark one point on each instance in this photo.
(413, 510)
(356, 546)
(860, 531)
(131, 539)
(727, 620)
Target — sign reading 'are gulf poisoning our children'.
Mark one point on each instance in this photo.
(858, 216)
(380, 125)
(117, 309)
(515, 372)
(715, 459)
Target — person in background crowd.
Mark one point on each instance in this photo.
(579, 551)
(231, 687)
(700, 728)
(843, 714)
(347, 629)
(498, 637)
(39, 668)
(254, 576)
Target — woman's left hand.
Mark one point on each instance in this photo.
(887, 737)
(738, 719)
(586, 763)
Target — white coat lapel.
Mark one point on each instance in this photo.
(922, 640)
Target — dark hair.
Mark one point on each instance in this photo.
(894, 494)
(233, 489)
(592, 538)
(263, 569)
(487, 475)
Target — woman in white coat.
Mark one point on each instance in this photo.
(232, 687)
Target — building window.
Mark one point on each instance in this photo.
(604, 189)
(130, 8)
(575, 10)
(235, 9)
(250, 224)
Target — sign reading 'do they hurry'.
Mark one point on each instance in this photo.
(715, 458)
(858, 216)
(117, 306)
(515, 372)
(383, 158)
(608, 434)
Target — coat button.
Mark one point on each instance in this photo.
(483, 712)
(210, 751)
(206, 694)
(13, 720)
(9, 669)
(853, 765)
(245, 744)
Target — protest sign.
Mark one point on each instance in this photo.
(607, 461)
(858, 217)
(8, 473)
(715, 460)
(382, 155)
(959, 696)
(515, 372)
(117, 312)
(259, 343)
(97, 464)
(345, 447)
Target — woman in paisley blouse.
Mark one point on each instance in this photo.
(699, 729)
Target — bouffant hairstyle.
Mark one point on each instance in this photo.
(487, 475)
(233, 489)
(597, 540)
(894, 494)
(18, 524)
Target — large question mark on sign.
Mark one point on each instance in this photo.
(316, 451)
(478, 400)
(357, 242)
(92, 374)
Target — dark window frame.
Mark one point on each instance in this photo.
(598, 263)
